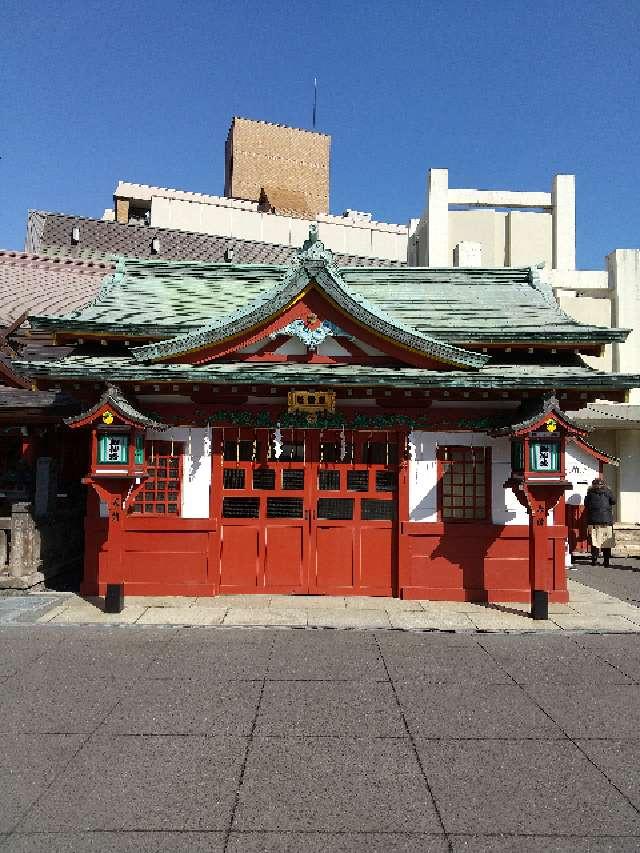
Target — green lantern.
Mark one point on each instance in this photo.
(544, 456)
(517, 456)
(113, 449)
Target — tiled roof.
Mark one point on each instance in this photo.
(162, 299)
(608, 416)
(493, 376)
(313, 264)
(50, 234)
(22, 398)
(115, 399)
(475, 305)
(46, 285)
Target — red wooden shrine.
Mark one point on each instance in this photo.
(311, 442)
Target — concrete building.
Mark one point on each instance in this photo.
(495, 228)
(503, 228)
(352, 233)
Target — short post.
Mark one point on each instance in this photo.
(114, 599)
(24, 553)
(540, 604)
(4, 548)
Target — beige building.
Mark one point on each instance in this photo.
(504, 228)
(283, 168)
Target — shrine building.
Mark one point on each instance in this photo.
(304, 428)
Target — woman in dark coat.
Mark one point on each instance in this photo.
(598, 505)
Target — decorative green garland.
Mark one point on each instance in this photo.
(301, 420)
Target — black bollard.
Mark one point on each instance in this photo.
(540, 604)
(114, 599)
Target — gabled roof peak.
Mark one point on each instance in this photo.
(114, 398)
(311, 266)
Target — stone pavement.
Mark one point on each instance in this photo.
(621, 578)
(145, 738)
(589, 609)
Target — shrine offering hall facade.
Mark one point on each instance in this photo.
(309, 429)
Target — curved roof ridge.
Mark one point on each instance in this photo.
(312, 262)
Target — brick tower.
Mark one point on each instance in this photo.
(283, 168)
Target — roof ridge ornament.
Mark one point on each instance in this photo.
(313, 249)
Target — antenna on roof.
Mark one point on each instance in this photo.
(315, 101)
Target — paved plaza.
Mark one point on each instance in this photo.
(131, 737)
(589, 609)
(412, 727)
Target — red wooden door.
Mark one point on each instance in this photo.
(259, 500)
(316, 514)
(354, 514)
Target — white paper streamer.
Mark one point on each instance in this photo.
(277, 442)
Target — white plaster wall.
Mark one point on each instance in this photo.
(292, 346)
(220, 216)
(423, 476)
(196, 467)
(629, 475)
(606, 440)
(593, 310)
(529, 238)
(486, 227)
(580, 469)
(330, 346)
(624, 280)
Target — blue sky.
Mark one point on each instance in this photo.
(503, 94)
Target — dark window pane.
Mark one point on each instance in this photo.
(293, 479)
(329, 481)
(284, 507)
(172, 508)
(290, 452)
(338, 509)
(240, 451)
(330, 452)
(385, 481)
(357, 481)
(380, 453)
(233, 478)
(264, 478)
(241, 507)
(376, 510)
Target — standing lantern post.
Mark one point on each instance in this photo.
(538, 482)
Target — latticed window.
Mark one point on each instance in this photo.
(465, 483)
(160, 494)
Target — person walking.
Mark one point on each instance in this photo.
(598, 505)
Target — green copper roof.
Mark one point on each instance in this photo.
(290, 375)
(312, 264)
(161, 300)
